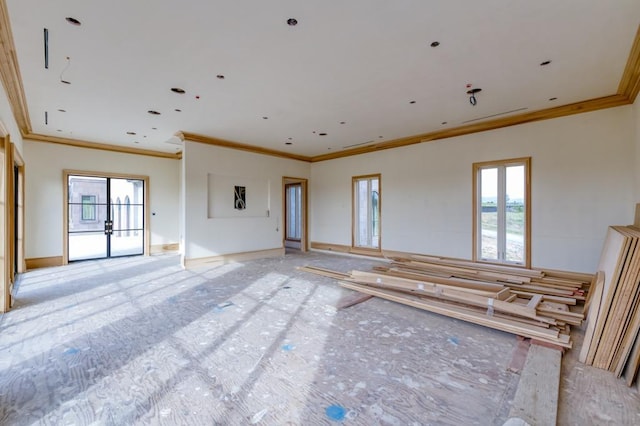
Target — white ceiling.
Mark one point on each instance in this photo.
(360, 62)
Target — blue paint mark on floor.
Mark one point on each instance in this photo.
(453, 340)
(71, 351)
(287, 347)
(335, 412)
(220, 307)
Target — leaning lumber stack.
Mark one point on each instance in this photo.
(541, 305)
(611, 339)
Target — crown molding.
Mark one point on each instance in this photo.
(545, 114)
(193, 137)
(10, 73)
(101, 146)
(630, 81)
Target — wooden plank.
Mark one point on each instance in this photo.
(630, 340)
(535, 301)
(490, 304)
(353, 300)
(632, 365)
(471, 284)
(536, 400)
(411, 284)
(480, 266)
(621, 298)
(612, 259)
(324, 272)
(625, 318)
(546, 297)
(592, 317)
(466, 314)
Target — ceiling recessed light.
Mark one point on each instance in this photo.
(73, 21)
(177, 110)
(435, 44)
(292, 22)
(220, 76)
(288, 143)
(322, 134)
(542, 64)
(178, 90)
(412, 102)
(152, 112)
(131, 133)
(62, 110)
(552, 99)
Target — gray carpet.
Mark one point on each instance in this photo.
(141, 341)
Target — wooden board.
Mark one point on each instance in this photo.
(592, 316)
(536, 400)
(619, 293)
(612, 259)
(465, 314)
(469, 297)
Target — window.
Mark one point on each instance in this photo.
(366, 211)
(89, 207)
(502, 224)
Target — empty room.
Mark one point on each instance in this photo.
(309, 213)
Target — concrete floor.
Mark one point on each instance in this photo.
(141, 341)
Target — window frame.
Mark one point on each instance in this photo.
(477, 209)
(354, 222)
(93, 204)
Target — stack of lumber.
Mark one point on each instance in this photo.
(611, 339)
(541, 305)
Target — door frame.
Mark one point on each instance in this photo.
(65, 206)
(304, 234)
(12, 248)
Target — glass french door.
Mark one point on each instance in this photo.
(105, 217)
(293, 211)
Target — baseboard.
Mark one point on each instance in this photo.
(339, 248)
(233, 257)
(330, 247)
(43, 262)
(162, 248)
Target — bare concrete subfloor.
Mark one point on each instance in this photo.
(141, 341)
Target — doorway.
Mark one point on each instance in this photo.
(295, 213)
(105, 216)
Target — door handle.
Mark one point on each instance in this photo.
(108, 227)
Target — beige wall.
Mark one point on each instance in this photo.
(213, 236)
(44, 204)
(582, 181)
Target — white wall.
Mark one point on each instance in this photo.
(44, 191)
(582, 182)
(207, 237)
(6, 117)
